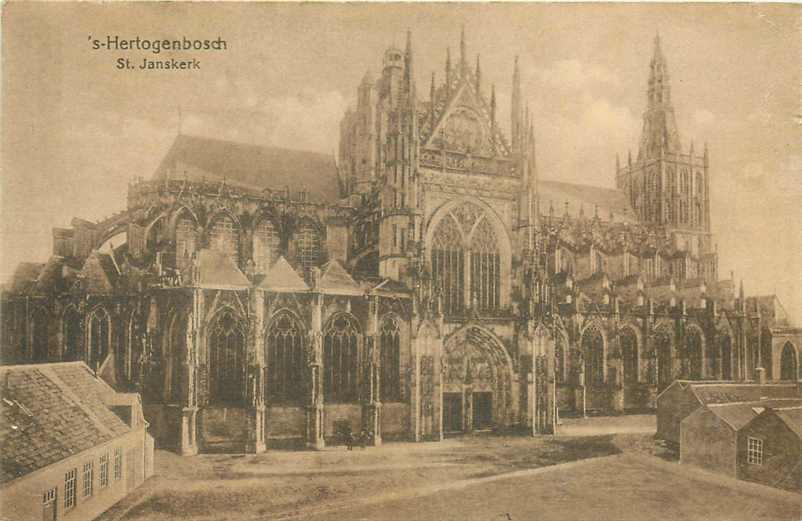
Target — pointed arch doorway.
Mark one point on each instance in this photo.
(477, 382)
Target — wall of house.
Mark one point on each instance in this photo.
(707, 442)
(674, 405)
(21, 499)
(782, 453)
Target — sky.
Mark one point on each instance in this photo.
(76, 130)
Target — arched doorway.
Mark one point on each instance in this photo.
(788, 363)
(477, 382)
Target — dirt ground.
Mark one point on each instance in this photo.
(471, 477)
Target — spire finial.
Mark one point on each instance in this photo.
(463, 54)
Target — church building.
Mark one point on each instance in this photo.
(426, 282)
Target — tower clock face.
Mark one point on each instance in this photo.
(463, 132)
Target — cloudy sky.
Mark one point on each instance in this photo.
(76, 129)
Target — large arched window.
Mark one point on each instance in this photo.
(285, 348)
(448, 260)
(99, 337)
(71, 331)
(390, 361)
(726, 357)
(227, 360)
(593, 352)
(224, 236)
(788, 363)
(39, 335)
(265, 245)
(175, 358)
(186, 240)
(559, 359)
(629, 352)
(665, 369)
(306, 240)
(341, 362)
(693, 354)
(485, 267)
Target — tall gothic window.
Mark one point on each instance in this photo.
(99, 337)
(307, 244)
(559, 359)
(224, 237)
(175, 359)
(227, 360)
(665, 371)
(693, 347)
(485, 267)
(593, 352)
(765, 353)
(265, 245)
(699, 185)
(726, 357)
(686, 185)
(285, 353)
(39, 340)
(341, 363)
(788, 363)
(71, 329)
(448, 259)
(390, 361)
(629, 352)
(186, 241)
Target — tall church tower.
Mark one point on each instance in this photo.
(668, 187)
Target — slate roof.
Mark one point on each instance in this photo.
(720, 392)
(282, 278)
(215, 269)
(737, 415)
(49, 412)
(585, 197)
(251, 166)
(792, 416)
(335, 279)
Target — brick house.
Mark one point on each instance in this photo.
(711, 436)
(70, 446)
(683, 397)
(770, 448)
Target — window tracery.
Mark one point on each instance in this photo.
(390, 361)
(286, 359)
(448, 258)
(593, 351)
(99, 336)
(223, 237)
(265, 245)
(185, 241)
(307, 244)
(485, 267)
(227, 360)
(341, 363)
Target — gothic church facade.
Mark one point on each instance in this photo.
(428, 282)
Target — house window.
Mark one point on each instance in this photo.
(104, 470)
(754, 451)
(69, 488)
(89, 476)
(118, 463)
(49, 504)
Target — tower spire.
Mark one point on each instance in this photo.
(409, 70)
(448, 72)
(660, 132)
(463, 53)
(516, 110)
(478, 76)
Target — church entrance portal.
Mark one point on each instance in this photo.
(477, 382)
